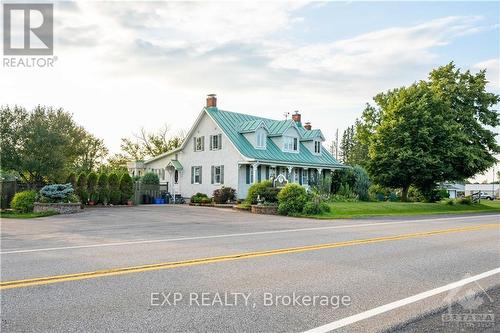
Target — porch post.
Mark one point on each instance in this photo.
(290, 176)
(255, 166)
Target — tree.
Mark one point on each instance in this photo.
(92, 187)
(116, 163)
(362, 183)
(151, 144)
(91, 153)
(114, 189)
(71, 179)
(354, 152)
(126, 188)
(431, 131)
(41, 145)
(81, 188)
(102, 187)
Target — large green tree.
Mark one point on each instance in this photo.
(41, 145)
(432, 131)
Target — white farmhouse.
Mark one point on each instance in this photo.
(235, 150)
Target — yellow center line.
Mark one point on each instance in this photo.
(246, 255)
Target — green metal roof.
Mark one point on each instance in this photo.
(234, 124)
(176, 164)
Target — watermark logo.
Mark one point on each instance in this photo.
(465, 308)
(28, 35)
(28, 29)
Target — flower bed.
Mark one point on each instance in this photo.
(61, 208)
(265, 209)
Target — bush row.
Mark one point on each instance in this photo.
(23, 202)
(103, 188)
(220, 196)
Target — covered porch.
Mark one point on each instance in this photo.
(299, 174)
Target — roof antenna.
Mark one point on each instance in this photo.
(286, 114)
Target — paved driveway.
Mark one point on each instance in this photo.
(114, 269)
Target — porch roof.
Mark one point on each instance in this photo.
(176, 164)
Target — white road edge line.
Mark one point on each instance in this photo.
(150, 241)
(394, 305)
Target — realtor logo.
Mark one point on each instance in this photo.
(28, 29)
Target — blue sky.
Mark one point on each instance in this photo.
(150, 63)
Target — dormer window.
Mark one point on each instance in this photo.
(261, 139)
(317, 147)
(290, 144)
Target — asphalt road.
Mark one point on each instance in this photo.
(174, 269)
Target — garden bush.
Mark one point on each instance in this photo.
(314, 208)
(393, 197)
(362, 183)
(56, 193)
(72, 179)
(465, 201)
(342, 177)
(378, 192)
(264, 190)
(102, 185)
(450, 202)
(291, 199)
(22, 202)
(114, 189)
(224, 194)
(150, 178)
(126, 188)
(92, 187)
(435, 194)
(200, 198)
(415, 195)
(81, 188)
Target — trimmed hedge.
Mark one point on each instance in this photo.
(81, 188)
(92, 187)
(292, 199)
(103, 190)
(114, 189)
(224, 194)
(126, 188)
(264, 190)
(23, 201)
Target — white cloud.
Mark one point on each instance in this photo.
(379, 52)
(125, 65)
(492, 67)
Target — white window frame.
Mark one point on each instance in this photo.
(199, 144)
(305, 176)
(217, 181)
(213, 139)
(289, 143)
(197, 169)
(317, 147)
(261, 139)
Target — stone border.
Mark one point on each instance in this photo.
(61, 208)
(265, 209)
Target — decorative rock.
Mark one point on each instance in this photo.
(265, 209)
(61, 208)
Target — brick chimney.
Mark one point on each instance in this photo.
(296, 117)
(308, 126)
(212, 101)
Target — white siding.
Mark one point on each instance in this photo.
(227, 156)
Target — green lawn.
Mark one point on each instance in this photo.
(13, 215)
(365, 209)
